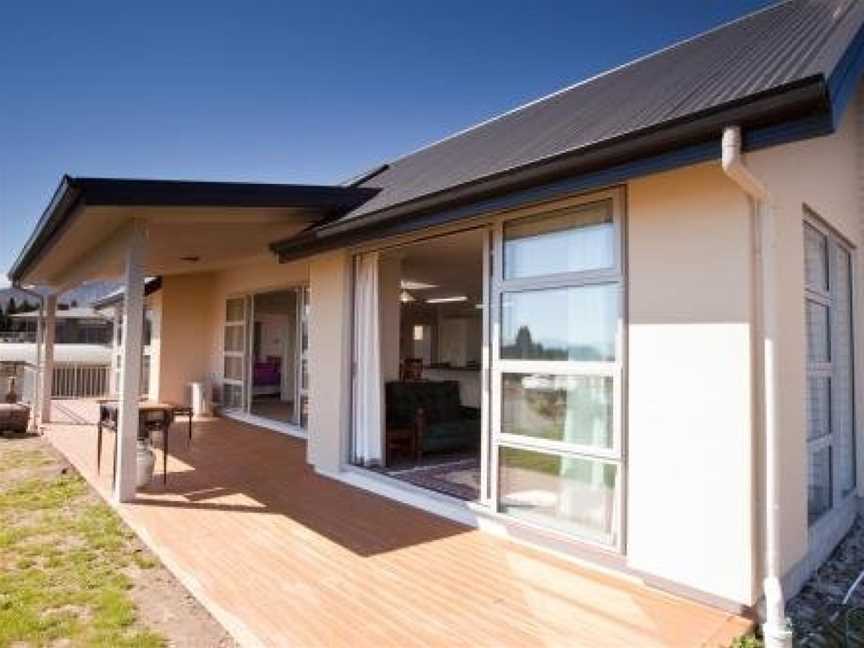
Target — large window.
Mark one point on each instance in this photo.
(830, 389)
(557, 370)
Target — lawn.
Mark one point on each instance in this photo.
(65, 558)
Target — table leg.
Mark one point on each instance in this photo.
(114, 469)
(98, 447)
(164, 456)
(189, 440)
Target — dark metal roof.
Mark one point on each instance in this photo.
(329, 201)
(770, 54)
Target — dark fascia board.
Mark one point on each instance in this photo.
(799, 111)
(183, 193)
(74, 192)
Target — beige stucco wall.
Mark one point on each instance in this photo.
(689, 405)
(186, 330)
(823, 174)
(330, 360)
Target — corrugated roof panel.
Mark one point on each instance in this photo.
(783, 44)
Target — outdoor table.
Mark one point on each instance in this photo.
(108, 414)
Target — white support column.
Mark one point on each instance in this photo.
(37, 380)
(130, 365)
(48, 364)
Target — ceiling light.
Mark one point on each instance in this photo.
(447, 300)
(405, 297)
(408, 284)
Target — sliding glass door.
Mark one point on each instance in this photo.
(557, 299)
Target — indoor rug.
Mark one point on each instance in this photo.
(455, 478)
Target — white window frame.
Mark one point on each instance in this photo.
(500, 286)
(490, 394)
(243, 325)
(824, 296)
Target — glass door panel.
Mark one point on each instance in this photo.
(234, 354)
(555, 380)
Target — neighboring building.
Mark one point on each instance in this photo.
(639, 347)
(111, 307)
(75, 325)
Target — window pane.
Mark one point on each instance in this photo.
(817, 332)
(815, 259)
(572, 409)
(842, 364)
(818, 407)
(232, 396)
(234, 309)
(561, 324)
(234, 368)
(819, 483)
(573, 495)
(571, 240)
(234, 338)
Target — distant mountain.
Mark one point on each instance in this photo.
(82, 296)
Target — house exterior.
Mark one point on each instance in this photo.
(74, 325)
(662, 338)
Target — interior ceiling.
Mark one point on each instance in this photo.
(453, 263)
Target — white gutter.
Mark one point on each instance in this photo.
(776, 629)
(37, 387)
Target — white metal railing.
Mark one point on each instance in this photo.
(71, 380)
(81, 381)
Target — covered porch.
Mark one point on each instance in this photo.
(283, 556)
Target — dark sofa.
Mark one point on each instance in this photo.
(433, 409)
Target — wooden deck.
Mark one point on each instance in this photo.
(285, 557)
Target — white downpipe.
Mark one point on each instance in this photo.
(776, 628)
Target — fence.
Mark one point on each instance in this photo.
(71, 380)
(81, 381)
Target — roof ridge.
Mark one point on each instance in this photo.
(590, 79)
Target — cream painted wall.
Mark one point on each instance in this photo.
(185, 333)
(153, 309)
(824, 174)
(689, 414)
(329, 358)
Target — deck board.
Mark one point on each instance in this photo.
(285, 557)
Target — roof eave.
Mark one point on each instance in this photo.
(331, 201)
(807, 99)
(62, 203)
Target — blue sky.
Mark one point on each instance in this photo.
(282, 91)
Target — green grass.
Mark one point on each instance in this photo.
(62, 562)
(748, 641)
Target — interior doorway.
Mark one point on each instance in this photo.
(266, 348)
(420, 336)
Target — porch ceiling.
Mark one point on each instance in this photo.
(191, 226)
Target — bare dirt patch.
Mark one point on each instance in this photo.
(72, 574)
